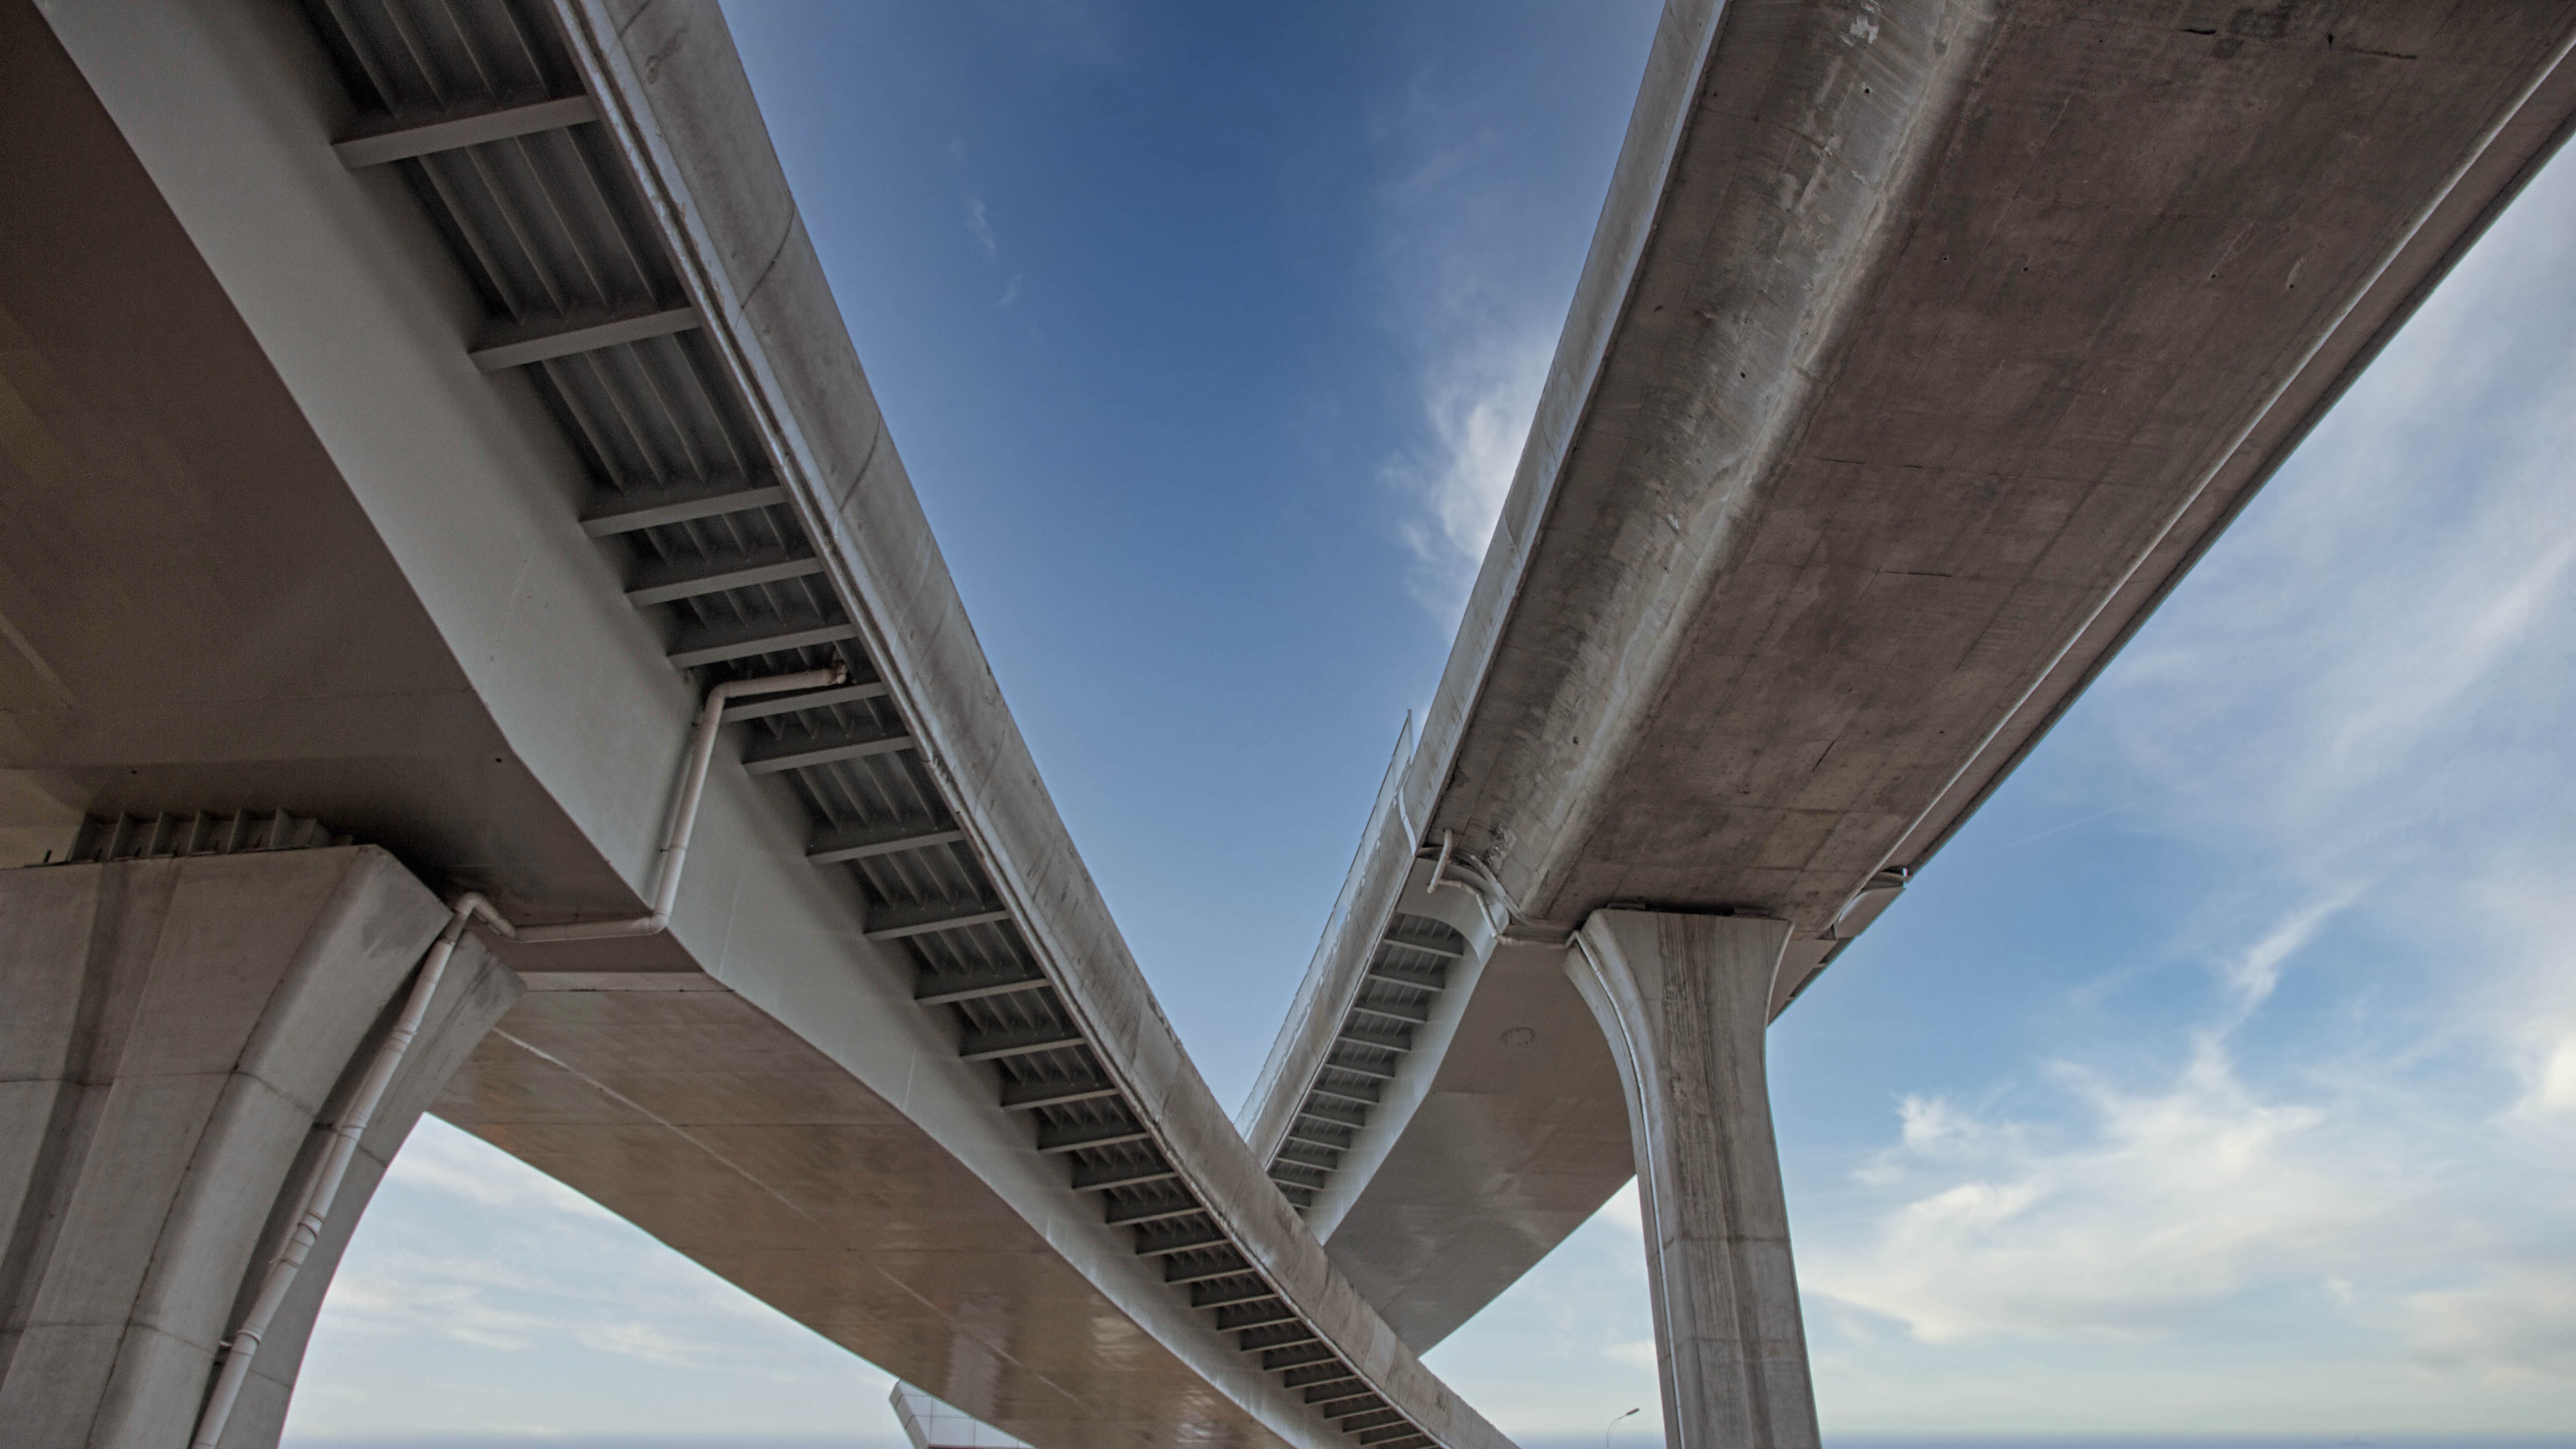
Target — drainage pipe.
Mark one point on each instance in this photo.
(684, 819)
(315, 1209)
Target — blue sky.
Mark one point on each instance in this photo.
(2219, 1078)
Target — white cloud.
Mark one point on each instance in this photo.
(1476, 410)
(2251, 976)
(979, 224)
(473, 1269)
(1476, 304)
(2517, 1321)
(2352, 721)
(2173, 1201)
(2157, 1205)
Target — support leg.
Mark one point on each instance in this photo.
(1684, 1001)
(176, 1038)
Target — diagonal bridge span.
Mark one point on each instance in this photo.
(561, 385)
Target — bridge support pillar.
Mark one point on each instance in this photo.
(1684, 1001)
(177, 1038)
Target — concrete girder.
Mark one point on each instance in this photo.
(435, 558)
(377, 148)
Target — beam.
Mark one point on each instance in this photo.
(360, 152)
(1298, 1355)
(1308, 1377)
(840, 847)
(993, 1046)
(673, 585)
(1424, 981)
(977, 917)
(810, 699)
(631, 512)
(1360, 1035)
(716, 647)
(1338, 1116)
(1274, 1337)
(1248, 1293)
(1327, 1390)
(1028, 1096)
(553, 339)
(829, 750)
(1094, 1179)
(1148, 1247)
(1341, 1063)
(1124, 1216)
(1254, 1313)
(952, 995)
(1095, 1134)
(1409, 944)
(1175, 1275)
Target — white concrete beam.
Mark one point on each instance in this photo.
(360, 152)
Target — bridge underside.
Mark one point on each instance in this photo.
(331, 503)
(1923, 347)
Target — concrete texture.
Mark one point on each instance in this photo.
(176, 1038)
(1515, 1112)
(1922, 348)
(1683, 1002)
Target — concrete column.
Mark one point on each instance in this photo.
(171, 1033)
(1684, 1001)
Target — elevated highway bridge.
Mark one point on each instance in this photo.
(1921, 351)
(420, 409)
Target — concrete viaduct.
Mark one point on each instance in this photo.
(472, 647)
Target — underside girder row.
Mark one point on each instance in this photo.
(587, 306)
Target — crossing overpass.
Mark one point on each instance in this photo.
(421, 406)
(1920, 352)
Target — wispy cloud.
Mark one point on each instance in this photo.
(1476, 406)
(1476, 307)
(2517, 1321)
(473, 1267)
(979, 225)
(2168, 1201)
(2354, 719)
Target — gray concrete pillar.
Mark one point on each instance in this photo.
(171, 1033)
(1684, 1001)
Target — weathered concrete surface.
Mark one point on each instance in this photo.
(1683, 1002)
(1952, 312)
(1921, 349)
(177, 1037)
(202, 612)
(1517, 1114)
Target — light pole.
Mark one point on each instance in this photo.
(1614, 1423)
